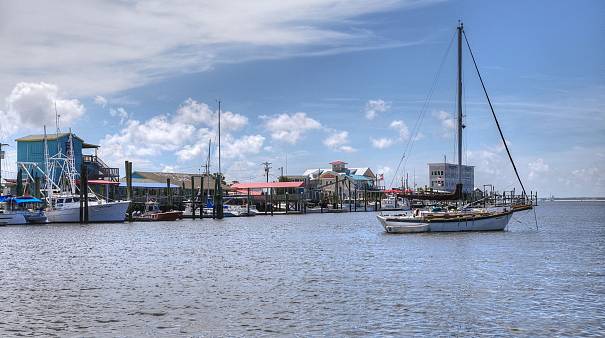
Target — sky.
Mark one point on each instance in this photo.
(303, 83)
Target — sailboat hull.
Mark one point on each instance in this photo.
(105, 212)
(407, 224)
(493, 223)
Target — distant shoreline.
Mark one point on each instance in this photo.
(589, 199)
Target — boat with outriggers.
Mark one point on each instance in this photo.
(61, 193)
(465, 217)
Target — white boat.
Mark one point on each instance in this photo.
(21, 210)
(62, 198)
(493, 219)
(231, 210)
(393, 202)
(66, 209)
(464, 219)
(12, 217)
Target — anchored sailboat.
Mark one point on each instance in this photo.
(464, 218)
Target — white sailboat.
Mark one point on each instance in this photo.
(465, 218)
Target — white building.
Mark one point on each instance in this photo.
(340, 179)
(444, 176)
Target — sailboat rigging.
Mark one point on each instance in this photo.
(464, 218)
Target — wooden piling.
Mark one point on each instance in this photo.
(129, 195)
(287, 204)
(193, 197)
(270, 189)
(168, 195)
(248, 202)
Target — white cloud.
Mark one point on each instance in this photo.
(32, 105)
(100, 101)
(381, 143)
(124, 44)
(338, 140)
(537, 167)
(374, 107)
(447, 122)
(402, 129)
(246, 145)
(290, 128)
(184, 134)
(120, 113)
(195, 112)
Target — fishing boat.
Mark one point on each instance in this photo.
(65, 208)
(64, 200)
(464, 218)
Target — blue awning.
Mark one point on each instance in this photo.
(20, 200)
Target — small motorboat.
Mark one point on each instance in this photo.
(153, 213)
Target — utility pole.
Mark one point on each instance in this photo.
(1, 158)
(281, 169)
(267, 167)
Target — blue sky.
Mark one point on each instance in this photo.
(301, 78)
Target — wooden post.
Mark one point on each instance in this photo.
(193, 197)
(203, 201)
(365, 198)
(83, 194)
(81, 197)
(85, 172)
(248, 203)
(129, 194)
(350, 207)
(321, 204)
(266, 194)
(355, 198)
(271, 201)
(287, 204)
(168, 195)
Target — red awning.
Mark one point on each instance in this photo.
(264, 185)
(101, 182)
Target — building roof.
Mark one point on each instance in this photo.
(176, 178)
(338, 162)
(49, 137)
(263, 185)
(148, 185)
(454, 164)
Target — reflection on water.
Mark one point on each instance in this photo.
(329, 274)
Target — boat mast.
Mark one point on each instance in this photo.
(219, 137)
(460, 126)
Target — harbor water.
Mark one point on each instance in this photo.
(306, 275)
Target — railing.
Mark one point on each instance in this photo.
(104, 170)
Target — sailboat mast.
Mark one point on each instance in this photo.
(460, 126)
(219, 136)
